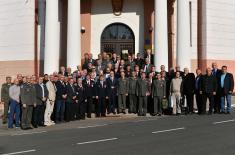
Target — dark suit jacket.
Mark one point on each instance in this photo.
(198, 81)
(208, 84)
(60, 90)
(71, 92)
(101, 91)
(151, 58)
(112, 86)
(80, 92)
(189, 83)
(89, 89)
(39, 93)
(139, 62)
(228, 84)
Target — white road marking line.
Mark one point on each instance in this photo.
(227, 121)
(97, 141)
(169, 130)
(21, 152)
(28, 133)
(92, 126)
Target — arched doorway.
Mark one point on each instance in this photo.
(118, 38)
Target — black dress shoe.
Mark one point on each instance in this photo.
(35, 126)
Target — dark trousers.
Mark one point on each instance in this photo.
(101, 107)
(89, 106)
(60, 109)
(75, 111)
(204, 100)
(143, 101)
(82, 109)
(133, 102)
(38, 115)
(68, 111)
(217, 99)
(14, 110)
(112, 103)
(200, 105)
(26, 116)
(189, 99)
(157, 100)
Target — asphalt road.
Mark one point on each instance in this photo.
(168, 135)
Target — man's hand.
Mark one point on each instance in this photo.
(34, 104)
(24, 105)
(97, 97)
(107, 97)
(214, 93)
(74, 97)
(230, 92)
(200, 92)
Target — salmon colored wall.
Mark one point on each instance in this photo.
(86, 23)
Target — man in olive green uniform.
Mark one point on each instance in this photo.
(5, 99)
(122, 91)
(158, 93)
(28, 99)
(132, 93)
(143, 92)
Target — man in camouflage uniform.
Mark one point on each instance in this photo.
(28, 99)
(5, 99)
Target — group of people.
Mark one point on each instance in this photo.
(111, 84)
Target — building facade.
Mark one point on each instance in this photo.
(38, 36)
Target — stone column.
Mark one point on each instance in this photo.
(183, 34)
(52, 37)
(161, 34)
(74, 34)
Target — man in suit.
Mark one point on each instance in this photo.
(28, 99)
(101, 96)
(50, 101)
(226, 86)
(61, 95)
(130, 62)
(208, 90)
(63, 71)
(132, 93)
(112, 92)
(188, 89)
(5, 99)
(139, 61)
(217, 74)
(149, 56)
(158, 93)
(147, 67)
(122, 91)
(70, 106)
(41, 98)
(89, 86)
(142, 91)
(197, 92)
(80, 100)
